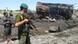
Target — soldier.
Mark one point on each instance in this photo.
(12, 17)
(11, 14)
(22, 24)
(5, 13)
(7, 26)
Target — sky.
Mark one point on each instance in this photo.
(14, 4)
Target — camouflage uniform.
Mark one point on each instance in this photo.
(7, 26)
(23, 30)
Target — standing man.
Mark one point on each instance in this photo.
(7, 27)
(21, 23)
(10, 13)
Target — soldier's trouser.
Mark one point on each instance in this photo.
(24, 38)
(7, 32)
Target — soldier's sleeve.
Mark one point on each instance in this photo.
(17, 18)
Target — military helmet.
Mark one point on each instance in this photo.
(23, 5)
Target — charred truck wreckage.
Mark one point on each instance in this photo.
(61, 12)
(54, 10)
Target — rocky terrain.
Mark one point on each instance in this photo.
(69, 36)
(65, 37)
(48, 32)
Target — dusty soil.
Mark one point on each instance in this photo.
(66, 37)
(69, 36)
(42, 36)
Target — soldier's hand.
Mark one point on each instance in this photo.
(25, 20)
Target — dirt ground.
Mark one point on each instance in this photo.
(66, 37)
(43, 36)
(69, 36)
